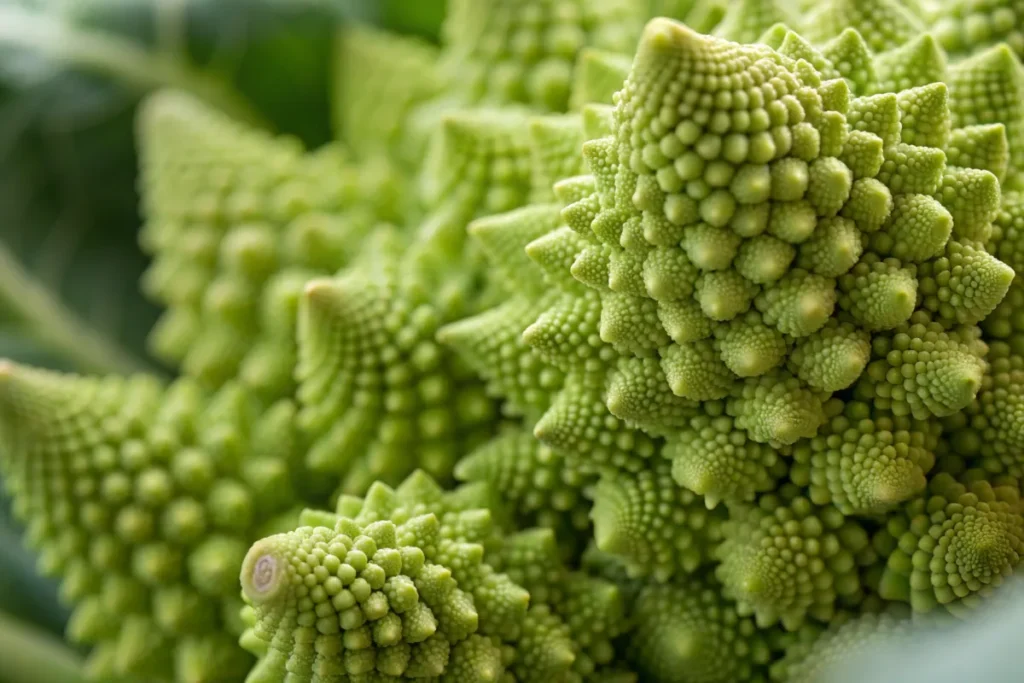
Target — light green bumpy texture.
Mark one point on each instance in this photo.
(415, 583)
(669, 342)
(237, 221)
(144, 501)
(771, 269)
(715, 239)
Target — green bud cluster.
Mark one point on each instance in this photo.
(533, 480)
(689, 633)
(954, 545)
(787, 559)
(622, 354)
(991, 429)
(743, 323)
(143, 500)
(509, 51)
(864, 460)
(237, 221)
(670, 250)
(374, 387)
(416, 583)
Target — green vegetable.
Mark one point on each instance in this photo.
(710, 321)
(415, 583)
(144, 500)
(688, 632)
(954, 547)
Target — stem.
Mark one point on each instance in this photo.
(30, 655)
(119, 59)
(56, 326)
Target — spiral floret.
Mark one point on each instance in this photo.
(374, 383)
(655, 526)
(236, 220)
(991, 429)
(924, 370)
(688, 633)
(417, 582)
(954, 546)
(353, 600)
(142, 499)
(747, 236)
(787, 561)
(715, 459)
(863, 461)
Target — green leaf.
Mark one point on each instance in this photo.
(276, 53)
(422, 18)
(68, 260)
(28, 655)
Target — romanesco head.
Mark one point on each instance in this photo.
(758, 227)
(744, 322)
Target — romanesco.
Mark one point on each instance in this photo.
(713, 321)
(144, 500)
(416, 583)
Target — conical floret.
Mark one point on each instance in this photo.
(143, 500)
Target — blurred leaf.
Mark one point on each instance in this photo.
(418, 17)
(276, 53)
(38, 44)
(28, 655)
